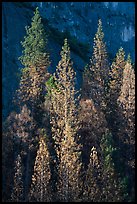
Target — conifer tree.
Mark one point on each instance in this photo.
(115, 82)
(127, 96)
(17, 194)
(65, 126)
(35, 60)
(116, 74)
(63, 100)
(92, 191)
(126, 102)
(34, 53)
(99, 69)
(40, 189)
(112, 189)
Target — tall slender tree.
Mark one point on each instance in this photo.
(127, 97)
(115, 82)
(92, 190)
(126, 102)
(35, 60)
(65, 127)
(17, 194)
(111, 182)
(40, 189)
(99, 68)
(116, 74)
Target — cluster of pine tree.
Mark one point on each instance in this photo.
(66, 144)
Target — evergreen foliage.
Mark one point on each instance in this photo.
(126, 102)
(115, 83)
(34, 53)
(112, 182)
(116, 74)
(92, 191)
(65, 119)
(35, 60)
(40, 190)
(96, 77)
(68, 147)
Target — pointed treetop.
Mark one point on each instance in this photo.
(65, 41)
(66, 45)
(129, 59)
(100, 33)
(36, 12)
(36, 17)
(99, 23)
(65, 50)
(34, 46)
(121, 50)
(120, 54)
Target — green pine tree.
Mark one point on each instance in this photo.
(35, 60)
(112, 190)
(34, 53)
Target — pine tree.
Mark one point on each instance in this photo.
(64, 120)
(40, 189)
(112, 189)
(116, 74)
(34, 53)
(56, 116)
(115, 82)
(17, 194)
(99, 69)
(127, 96)
(92, 191)
(35, 60)
(126, 133)
(114, 118)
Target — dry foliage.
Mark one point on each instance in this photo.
(17, 194)
(40, 189)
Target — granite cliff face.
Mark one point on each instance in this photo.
(78, 20)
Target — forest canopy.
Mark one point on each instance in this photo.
(69, 144)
